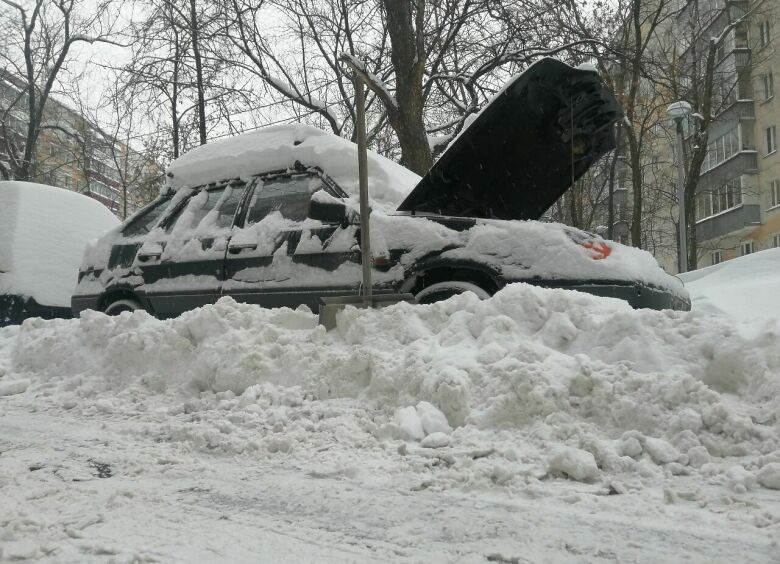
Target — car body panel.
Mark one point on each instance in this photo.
(16, 308)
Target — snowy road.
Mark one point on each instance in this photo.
(131, 440)
(160, 504)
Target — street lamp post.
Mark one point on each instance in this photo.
(678, 111)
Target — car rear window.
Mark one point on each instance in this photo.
(289, 195)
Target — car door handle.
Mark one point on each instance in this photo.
(236, 248)
(143, 257)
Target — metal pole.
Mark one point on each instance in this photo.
(681, 198)
(365, 234)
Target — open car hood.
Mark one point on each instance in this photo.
(525, 148)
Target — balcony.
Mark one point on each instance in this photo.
(729, 222)
(744, 162)
(742, 58)
(738, 110)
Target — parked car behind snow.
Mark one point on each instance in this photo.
(271, 217)
(43, 233)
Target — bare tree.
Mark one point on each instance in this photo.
(44, 35)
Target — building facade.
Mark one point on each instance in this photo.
(738, 193)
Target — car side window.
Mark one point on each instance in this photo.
(203, 205)
(227, 210)
(199, 205)
(289, 195)
(147, 220)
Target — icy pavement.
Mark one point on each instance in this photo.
(538, 426)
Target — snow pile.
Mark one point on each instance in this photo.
(528, 383)
(279, 147)
(44, 231)
(745, 287)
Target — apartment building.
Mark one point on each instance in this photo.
(738, 194)
(75, 154)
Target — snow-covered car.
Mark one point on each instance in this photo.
(43, 234)
(271, 217)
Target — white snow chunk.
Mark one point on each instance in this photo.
(698, 456)
(14, 387)
(408, 420)
(769, 476)
(740, 480)
(436, 440)
(661, 451)
(432, 419)
(630, 446)
(578, 464)
(687, 419)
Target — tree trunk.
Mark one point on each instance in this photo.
(175, 88)
(198, 73)
(636, 186)
(407, 56)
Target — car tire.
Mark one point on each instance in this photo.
(118, 306)
(443, 290)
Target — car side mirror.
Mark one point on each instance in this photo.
(327, 209)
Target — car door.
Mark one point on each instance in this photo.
(282, 258)
(182, 262)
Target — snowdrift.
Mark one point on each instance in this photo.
(549, 381)
(43, 233)
(744, 287)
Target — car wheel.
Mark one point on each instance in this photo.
(117, 307)
(443, 290)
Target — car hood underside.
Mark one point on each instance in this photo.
(525, 149)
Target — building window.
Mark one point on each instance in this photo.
(715, 257)
(769, 86)
(68, 182)
(98, 187)
(763, 32)
(746, 248)
(725, 197)
(771, 139)
(722, 149)
(776, 240)
(774, 192)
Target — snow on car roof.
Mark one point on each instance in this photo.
(44, 231)
(279, 147)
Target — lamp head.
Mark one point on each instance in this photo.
(678, 110)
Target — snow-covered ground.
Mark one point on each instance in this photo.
(537, 426)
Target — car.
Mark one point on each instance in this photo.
(43, 233)
(271, 217)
